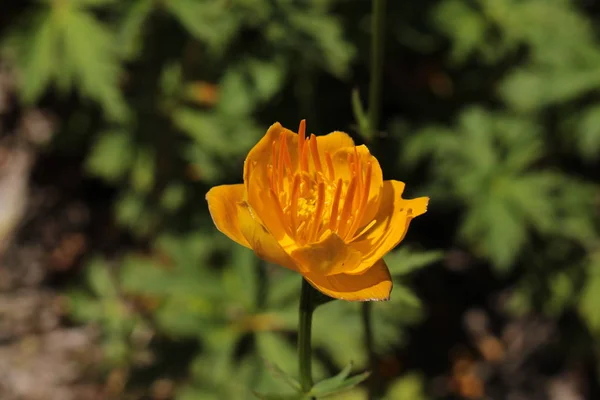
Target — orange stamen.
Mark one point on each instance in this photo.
(294, 201)
(280, 161)
(304, 157)
(347, 210)
(330, 168)
(335, 205)
(315, 153)
(286, 153)
(301, 143)
(359, 170)
(363, 200)
(274, 158)
(279, 212)
(363, 231)
(318, 212)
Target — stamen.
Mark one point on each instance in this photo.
(330, 168)
(359, 170)
(280, 161)
(335, 205)
(274, 158)
(318, 212)
(363, 200)
(347, 210)
(280, 213)
(315, 153)
(286, 153)
(304, 157)
(302, 143)
(363, 231)
(294, 201)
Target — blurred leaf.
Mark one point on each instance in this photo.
(131, 31)
(410, 386)
(66, 43)
(280, 374)
(335, 385)
(143, 170)
(405, 260)
(100, 280)
(590, 297)
(111, 155)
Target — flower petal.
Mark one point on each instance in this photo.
(344, 170)
(260, 239)
(393, 218)
(222, 205)
(256, 175)
(332, 142)
(329, 256)
(373, 285)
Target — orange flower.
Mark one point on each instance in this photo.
(318, 206)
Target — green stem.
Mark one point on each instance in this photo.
(373, 382)
(377, 51)
(304, 336)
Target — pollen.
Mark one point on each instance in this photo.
(308, 196)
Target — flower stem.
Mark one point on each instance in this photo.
(377, 51)
(373, 382)
(304, 336)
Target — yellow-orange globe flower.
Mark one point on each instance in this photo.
(318, 206)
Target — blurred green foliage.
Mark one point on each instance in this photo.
(163, 98)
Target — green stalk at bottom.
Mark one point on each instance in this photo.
(304, 337)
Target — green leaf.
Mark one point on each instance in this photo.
(37, 55)
(283, 376)
(130, 34)
(333, 382)
(590, 297)
(405, 261)
(143, 170)
(111, 155)
(100, 280)
(328, 389)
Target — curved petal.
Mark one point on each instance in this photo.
(393, 218)
(260, 239)
(222, 205)
(344, 170)
(373, 285)
(258, 163)
(261, 154)
(332, 142)
(330, 256)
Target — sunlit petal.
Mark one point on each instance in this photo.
(222, 205)
(373, 285)
(330, 256)
(260, 239)
(343, 169)
(392, 221)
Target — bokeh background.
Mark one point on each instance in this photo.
(117, 116)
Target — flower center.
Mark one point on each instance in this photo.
(310, 198)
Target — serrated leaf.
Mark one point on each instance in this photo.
(334, 382)
(343, 386)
